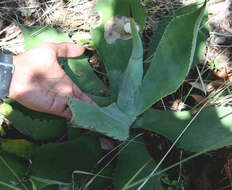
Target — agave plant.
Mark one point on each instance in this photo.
(132, 91)
(124, 104)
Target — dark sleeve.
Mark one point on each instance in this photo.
(6, 72)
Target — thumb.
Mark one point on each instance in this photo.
(68, 50)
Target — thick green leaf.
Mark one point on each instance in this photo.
(39, 128)
(103, 182)
(134, 163)
(64, 187)
(36, 35)
(172, 60)
(88, 80)
(51, 187)
(156, 37)
(19, 147)
(211, 126)
(115, 56)
(73, 132)
(201, 45)
(28, 112)
(71, 157)
(99, 100)
(81, 73)
(132, 78)
(57, 161)
(108, 120)
(2, 130)
(12, 170)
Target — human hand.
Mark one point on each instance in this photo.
(39, 83)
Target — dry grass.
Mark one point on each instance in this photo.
(70, 17)
(73, 18)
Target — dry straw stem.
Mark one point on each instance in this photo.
(124, 145)
(70, 17)
(170, 149)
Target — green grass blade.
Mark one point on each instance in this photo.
(134, 162)
(12, 169)
(48, 181)
(134, 176)
(33, 185)
(9, 186)
(225, 141)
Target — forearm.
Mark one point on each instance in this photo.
(6, 72)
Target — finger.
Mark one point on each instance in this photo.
(82, 96)
(68, 50)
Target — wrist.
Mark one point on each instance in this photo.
(12, 86)
(6, 73)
